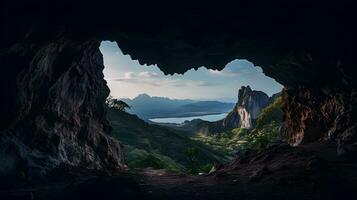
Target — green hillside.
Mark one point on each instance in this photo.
(159, 147)
(266, 131)
(147, 145)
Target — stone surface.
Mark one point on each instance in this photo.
(249, 105)
(244, 115)
(320, 114)
(60, 117)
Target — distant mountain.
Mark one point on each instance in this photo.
(147, 107)
(207, 106)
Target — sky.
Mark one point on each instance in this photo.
(126, 78)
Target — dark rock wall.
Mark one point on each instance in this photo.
(321, 114)
(60, 111)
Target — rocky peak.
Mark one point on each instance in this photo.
(244, 91)
(143, 96)
(250, 103)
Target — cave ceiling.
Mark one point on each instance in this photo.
(293, 42)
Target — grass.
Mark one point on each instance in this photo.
(266, 131)
(147, 145)
(159, 147)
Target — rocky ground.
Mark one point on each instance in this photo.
(311, 171)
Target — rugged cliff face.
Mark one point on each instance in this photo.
(60, 112)
(248, 107)
(324, 114)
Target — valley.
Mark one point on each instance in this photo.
(196, 146)
(148, 145)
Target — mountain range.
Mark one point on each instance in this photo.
(147, 107)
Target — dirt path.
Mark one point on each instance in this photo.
(281, 172)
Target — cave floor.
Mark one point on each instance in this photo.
(281, 172)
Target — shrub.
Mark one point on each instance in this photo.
(271, 113)
(267, 129)
(116, 104)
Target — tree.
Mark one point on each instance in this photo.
(116, 104)
(192, 154)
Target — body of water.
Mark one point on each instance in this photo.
(178, 120)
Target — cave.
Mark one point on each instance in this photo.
(53, 121)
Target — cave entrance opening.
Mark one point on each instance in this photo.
(189, 122)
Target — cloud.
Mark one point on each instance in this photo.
(136, 78)
(150, 78)
(176, 82)
(148, 74)
(157, 80)
(237, 68)
(206, 84)
(226, 73)
(129, 75)
(145, 75)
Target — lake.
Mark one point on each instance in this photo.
(178, 120)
